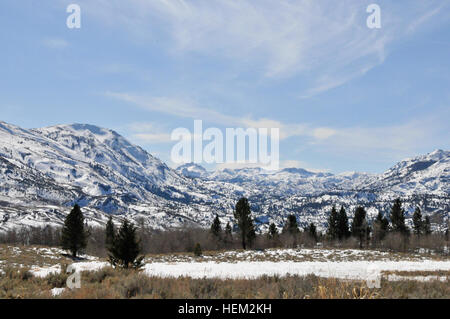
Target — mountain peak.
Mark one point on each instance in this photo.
(438, 153)
(94, 129)
(192, 170)
(296, 170)
(100, 133)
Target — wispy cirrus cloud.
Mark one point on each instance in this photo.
(148, 132)
(395, 141)
(426, 15)
(55, 43)
(390, 141)
(187, 108)
(327, 41)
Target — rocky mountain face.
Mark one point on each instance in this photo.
(45, 171)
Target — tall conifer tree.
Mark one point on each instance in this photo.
(398, 217)
(418, 222)
(291, 226)
(74, 236)
(110, 233)
(343, 231)
(126, 248)
(242, 214)
(332, 231)
(216, 228)
(359, 225)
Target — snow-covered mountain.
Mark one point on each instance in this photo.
(426, 174)
(45, 171)
(192, 170)
(282, 182)
(421, 181)
(95, 161)
(97, 168)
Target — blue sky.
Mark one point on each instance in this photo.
(345, 97)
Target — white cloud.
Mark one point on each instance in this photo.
(147, 132)
(389, 141)
(426, 16)
(326, 41)
(189, 109)
(323, 133)
(55, 43)
(173, 106)
(384, 142)
(152, 138)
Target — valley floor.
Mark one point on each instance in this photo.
(346, 268)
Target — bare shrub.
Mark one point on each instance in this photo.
(135, 284)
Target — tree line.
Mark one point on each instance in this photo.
(124, 246)
(338, 226)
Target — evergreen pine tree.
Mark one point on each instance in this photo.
(332, 224)
(398, 217)
(110, 233)
(342, 224)
(291, 226)
(312, 231)
(244, 220)
(197, 250)
(359, 226)
(228, 238)
(380, 227)
(74, 235)
(273, 231)
(427, 226)
(125, 249)
(251, 236)
(385, 224)
(291, 229)
(216, 229)
(418, 225)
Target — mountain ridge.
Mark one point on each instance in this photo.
(54, 167)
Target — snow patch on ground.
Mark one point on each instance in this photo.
(43, 272)
(57, 291)
(357, 270)
(90, 265)
(329, 263)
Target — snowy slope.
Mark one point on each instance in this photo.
(422, 181)
(97, 161)
(45, 171)
(97, 168)
(423, 174)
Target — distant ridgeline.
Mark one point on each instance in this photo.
(45, 171)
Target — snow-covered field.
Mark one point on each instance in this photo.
(356, 270)
(329, 263)
(297, 255)
(78, 266)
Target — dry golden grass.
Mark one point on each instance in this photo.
(439, 273)
(108, 283)
(17, 282)
(295, 255)
(27, 256)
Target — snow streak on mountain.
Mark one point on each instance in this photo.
(45, 171)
